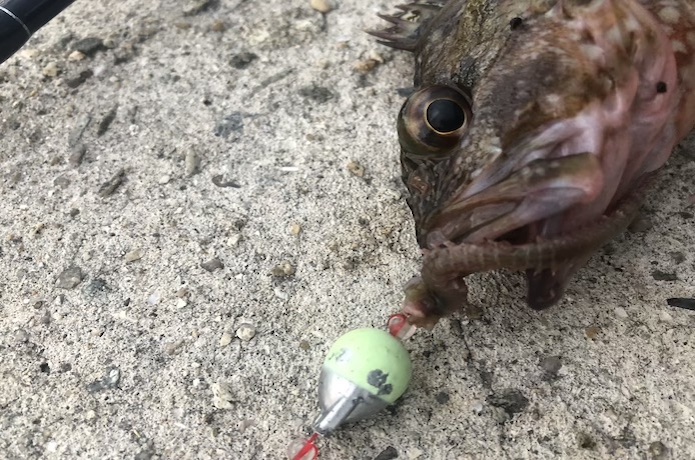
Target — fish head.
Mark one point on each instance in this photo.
(530, 121)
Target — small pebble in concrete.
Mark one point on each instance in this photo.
(172, 348)
(665, 317)
(222, 397)
(218, 26)
(70, 278)
(226, 339)
(280, 294)
(109, 381)
(283, 269)
(89, 45)
(551, 365)
(677, 256)
(322, 6)
(356, 169)
(659, 275)
(76, 79)
(76, 134)
(620, 312)
(154, 298)
(233, 240)
(107, 120)
(592, 332)
(220, 181)
(77, 155)
(76, 56)
(387, 454)
(414, 453)
(109, 187)
(51, 70)
(212, 265)
(678, 302)
(658, 450)
(195, 7)
(132, 256)
(29, 53)
(246, 332)
(21, 336)
(192, 163)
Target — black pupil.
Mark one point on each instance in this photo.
(445, 115)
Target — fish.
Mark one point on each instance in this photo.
(533, 133)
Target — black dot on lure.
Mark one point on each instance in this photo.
(661, 87)
(515, 23)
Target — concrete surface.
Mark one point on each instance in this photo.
(116, 342)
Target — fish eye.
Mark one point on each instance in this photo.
(434, 120)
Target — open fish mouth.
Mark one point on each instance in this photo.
(441, 289)
(538, 191)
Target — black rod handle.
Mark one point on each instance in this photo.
(19, 19)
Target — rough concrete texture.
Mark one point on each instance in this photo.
(208, 168)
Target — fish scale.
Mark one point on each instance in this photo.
(533, 132)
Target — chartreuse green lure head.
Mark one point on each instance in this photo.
(365, 371)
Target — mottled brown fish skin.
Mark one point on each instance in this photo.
(567, 109)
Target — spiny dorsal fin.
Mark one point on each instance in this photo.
(405, 32)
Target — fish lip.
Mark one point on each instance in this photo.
(465, 258)
(536, 192)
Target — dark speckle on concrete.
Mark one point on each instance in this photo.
(111, 185)
(442, 397)
(106, 121)
(232, 123)
(387, 454)
(220, 181)
(242, 60)
(89, 45)
(511, 400)
(109, 381)
(316, 93)
(212, 265)
(585, 441)
(76, 79)
(658, 275)
(677, 256)
(551, 365)
(70, 278)
(96, 286)
(680, 302)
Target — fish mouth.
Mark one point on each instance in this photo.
(547, 218)
(508, 209)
